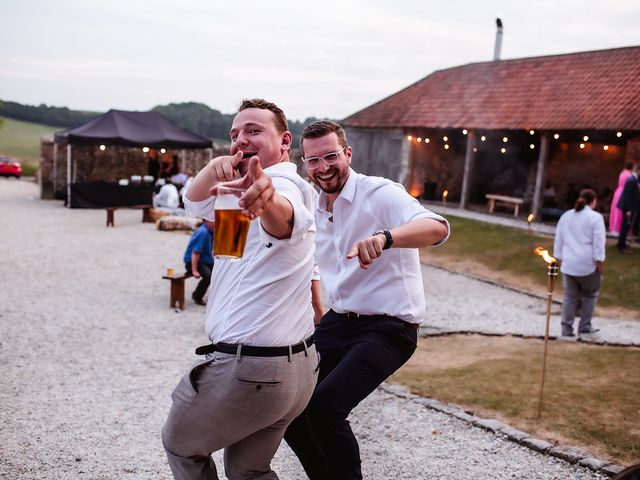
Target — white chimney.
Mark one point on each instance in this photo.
(498, 46)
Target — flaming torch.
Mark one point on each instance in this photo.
(552, 273)
(445, 194)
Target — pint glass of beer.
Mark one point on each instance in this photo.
(231, 225)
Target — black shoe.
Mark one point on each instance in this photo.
(198, 300)
(591, 330)
(568, 335)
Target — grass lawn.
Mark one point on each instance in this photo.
(22, 140)
(506, 255)
(590, 398)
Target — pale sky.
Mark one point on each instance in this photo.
(324, 59)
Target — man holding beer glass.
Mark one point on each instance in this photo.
(261, 367)
(369, 230)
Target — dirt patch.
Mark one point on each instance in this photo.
(498, 377)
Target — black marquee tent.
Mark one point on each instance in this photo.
(133, 129)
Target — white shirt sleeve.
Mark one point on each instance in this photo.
(599, 239)
(203, 209)
(302, 218)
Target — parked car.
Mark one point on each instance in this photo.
(10, 167)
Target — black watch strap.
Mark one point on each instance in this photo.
(389, 238)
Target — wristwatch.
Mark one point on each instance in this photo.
(389, 238)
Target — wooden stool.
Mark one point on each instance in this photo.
(177, 290)
(110, 212)
(146, 215)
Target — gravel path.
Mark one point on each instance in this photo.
(457, 303)
(89, 354)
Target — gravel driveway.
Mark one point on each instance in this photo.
(90, 353)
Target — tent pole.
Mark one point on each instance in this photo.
(68, 175)
(55, 166)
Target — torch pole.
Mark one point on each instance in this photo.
(552, 272)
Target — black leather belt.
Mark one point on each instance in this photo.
(413, 326)
(254, 351)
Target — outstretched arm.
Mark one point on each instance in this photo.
(418, 233)
(261, 200)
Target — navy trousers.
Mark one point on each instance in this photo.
(357, 354)
(205, 278)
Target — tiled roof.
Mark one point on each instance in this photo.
(594, 90)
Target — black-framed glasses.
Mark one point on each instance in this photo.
(328, 158)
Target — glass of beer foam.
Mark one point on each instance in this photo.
(231, 225)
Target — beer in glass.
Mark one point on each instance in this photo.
(231, 225)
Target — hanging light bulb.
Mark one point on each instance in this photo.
(606, 147)
(556, 136)
(426, 140)
(483, 138)
(103, 147)
(446, 147)
(531, 132)
(418, 140)
(475, 149)
(585, 138)
(503, 150)
(505, 139)
(163, 150)
(145, 149)
(445, 138)
(582, 145)
(619, 134)
(464, 131)
(409, 137)
(532, 146)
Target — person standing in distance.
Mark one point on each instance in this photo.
(261, 366)
(369, 230)
(580, 246)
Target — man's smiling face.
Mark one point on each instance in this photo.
(330, 178)
(254, 132)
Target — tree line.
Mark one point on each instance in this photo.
(195, 117)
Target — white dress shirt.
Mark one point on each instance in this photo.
(265, 298)
(580, 241)
(392, 285)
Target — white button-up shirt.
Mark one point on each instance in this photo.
(580, 241)
(392, 285)
(265, 299)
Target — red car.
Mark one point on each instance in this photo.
(10, 167)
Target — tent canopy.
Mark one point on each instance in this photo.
(135, 129)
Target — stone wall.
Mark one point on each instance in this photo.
(90, 164)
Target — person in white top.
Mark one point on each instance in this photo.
(167, 197)
(261, 366)
(580, 246)
(369, 230)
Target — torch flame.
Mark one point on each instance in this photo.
(445, 194)
(545, 255)
(531, 217)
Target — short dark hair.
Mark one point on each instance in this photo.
(324, 127)
(280, 117)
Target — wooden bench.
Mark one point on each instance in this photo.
(503, 200)
(146, 214)
(177, 289)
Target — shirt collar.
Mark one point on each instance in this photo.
(348, 191)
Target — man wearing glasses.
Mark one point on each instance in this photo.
(377, 301)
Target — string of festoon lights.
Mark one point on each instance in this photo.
(103, 147)
(505, 140)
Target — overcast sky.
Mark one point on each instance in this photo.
(325, 59)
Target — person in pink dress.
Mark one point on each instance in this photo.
(615, 215)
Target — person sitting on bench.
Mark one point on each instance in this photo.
(198, 259)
